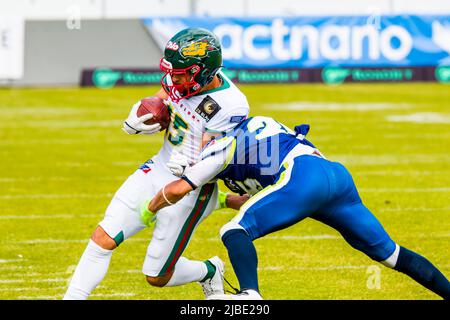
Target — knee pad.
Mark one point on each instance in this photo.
(230, 226)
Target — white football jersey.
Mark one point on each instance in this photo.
(216, 110)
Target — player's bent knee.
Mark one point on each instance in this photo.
(159, 281)
(101, 238)
(230, 226)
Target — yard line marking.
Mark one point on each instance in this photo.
(31, 289)
(307, 237)
(12, 280)
(73, 123)
(333, 106)
(59, 296)
(415, 190)
(390, 159)
(310, 237)
(273, 237)
(104, 195)
(329, 268)
(402, 173)
(54, 196)
(117, 294)
(45, 241)
(49, 216)
(420, 209)
(60, 178)
(421, 117)
(10, 260)
(40, 297)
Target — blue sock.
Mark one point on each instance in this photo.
(423, 271)
(243, 257)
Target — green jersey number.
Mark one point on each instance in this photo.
(177, 130)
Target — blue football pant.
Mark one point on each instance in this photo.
(323, 190)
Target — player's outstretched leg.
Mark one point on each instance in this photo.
(423, 271)
(92, 267)
(244, 259)
(120, 223)
(362, 230)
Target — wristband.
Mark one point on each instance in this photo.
(164, 196)
(222, 200)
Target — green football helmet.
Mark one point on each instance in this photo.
(193, 52)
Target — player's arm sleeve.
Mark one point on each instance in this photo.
(225, 121)
(205, 170)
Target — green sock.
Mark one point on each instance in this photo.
(211, 270)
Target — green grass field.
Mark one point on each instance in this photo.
(63, 155)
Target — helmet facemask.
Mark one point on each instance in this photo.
(179, 91)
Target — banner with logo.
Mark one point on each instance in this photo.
(315, 42)
(104, 78)
(11, 47)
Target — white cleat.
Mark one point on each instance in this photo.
(214, 285)
(248, 294)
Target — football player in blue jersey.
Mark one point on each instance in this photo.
(288, 180)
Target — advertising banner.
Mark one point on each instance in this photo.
(108, 78)
(11, 47)
(317, 42)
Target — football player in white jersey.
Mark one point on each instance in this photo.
(203, 103)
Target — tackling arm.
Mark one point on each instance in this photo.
(169, 194)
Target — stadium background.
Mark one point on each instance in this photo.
(63, 154)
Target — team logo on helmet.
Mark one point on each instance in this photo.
(195, 49)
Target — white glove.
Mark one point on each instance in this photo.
(134, 124)
(178, 164)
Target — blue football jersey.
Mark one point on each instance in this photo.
(257, 148)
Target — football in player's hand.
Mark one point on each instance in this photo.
(155, 106)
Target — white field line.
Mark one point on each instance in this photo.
(310, 237)
(14, 268)
(55, 196)
(32, 289)
(390, 159)
(420, 209)
(59, 178)
(47, 241)
(72, 124)
(89, 216)
(401, 190)
(75, 164)
(10, 260)
(421, 117)
(300, 238)
(104, 195)
(333, 106)
(60, 296)
(33, 280)
(49, 216)
(328, 268)
(403, 173)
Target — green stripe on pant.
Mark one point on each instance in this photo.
(186, 231)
